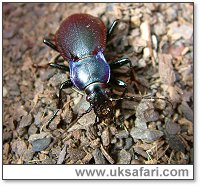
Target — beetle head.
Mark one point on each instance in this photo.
(98, 96)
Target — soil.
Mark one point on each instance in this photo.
(158, 129)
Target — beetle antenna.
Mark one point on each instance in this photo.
(132, 98)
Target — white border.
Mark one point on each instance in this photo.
(118, 172)
(32, 170)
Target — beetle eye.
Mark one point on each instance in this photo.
(88, 98)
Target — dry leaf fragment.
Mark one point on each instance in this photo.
(166, 71)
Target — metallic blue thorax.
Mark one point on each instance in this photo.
(89, 70)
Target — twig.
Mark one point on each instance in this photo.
(107, 156)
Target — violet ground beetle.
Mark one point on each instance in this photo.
(81, 40)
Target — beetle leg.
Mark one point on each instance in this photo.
(50, 44)
(64, 85)
(55, 64)
(52, 117)
(119, 63)
(111, 29)
(119, 83)
(60, 67)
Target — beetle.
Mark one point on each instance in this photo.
(81, 40)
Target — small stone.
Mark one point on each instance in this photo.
(37, 118)
(147, 135)
(146, 53)
(40, 141)
(47, 74)
(113, 130)
(53, 125)
(161, 104)
(67, 114)
(145, 112)
(19, 147)
(26, 121)
(145, 30)
(134, 33)
(128, 105)
(128, 143)
(95, 143)
(172, 128)
(176, 32)
(7, 135)
(14, 88)
(187, 111)
(113, 140)
(6, 149)
(136, 162)
(87, 158)
(40, 144)
(166, 70)
(87, 119)
(98, 157)
(28, 155)
(139, 42)
(122, 134)
(160, 28)
(57, 79)
(119, 144)
(5, 91)
(124, 157)
(76, 154)
(81, 106)
(189, 124)
(32, 129)
(140, 124)
(56, 150)
(39, 87)
(105, 137)
(10, 30)
(48, 161)
(142, 63)
(135, 20)
(141, 151)
(175, 143)
(171, 14)
(62, 155)
(38, 136)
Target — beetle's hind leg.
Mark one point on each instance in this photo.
(122, 62)
(111, 29)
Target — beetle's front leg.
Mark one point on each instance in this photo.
(64, 85)
(57, 60)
